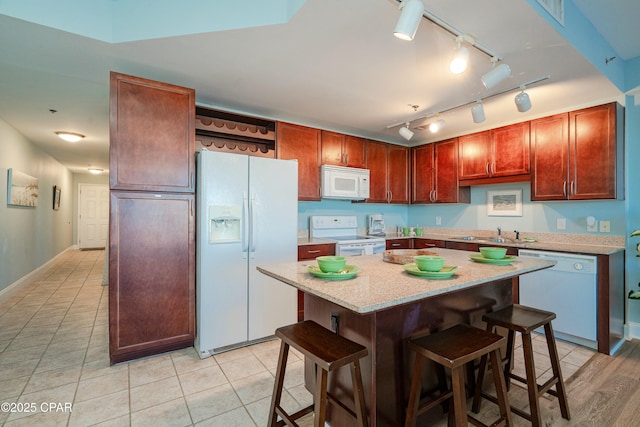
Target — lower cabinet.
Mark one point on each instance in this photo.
(151, 275)
(399, 243)
(309, 252)
(427, 243)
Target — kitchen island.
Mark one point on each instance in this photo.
(384, 305)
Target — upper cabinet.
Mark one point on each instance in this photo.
(498, 155)
(342, 150)
(576, 155)
(389, 166)
(303, 144)
(435, 174)
(152, 128)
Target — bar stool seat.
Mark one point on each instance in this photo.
(328, 351)
(523, 319)
(453, 348)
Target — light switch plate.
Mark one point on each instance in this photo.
(438, 220)
(561, 223)
(605, 226)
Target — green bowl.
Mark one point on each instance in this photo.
(429, 262)
(493, 253)
(331, 264)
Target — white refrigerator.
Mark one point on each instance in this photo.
(247, 215)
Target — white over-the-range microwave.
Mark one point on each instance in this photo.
(339, 182)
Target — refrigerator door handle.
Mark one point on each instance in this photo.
(245, 220)
(252, 223)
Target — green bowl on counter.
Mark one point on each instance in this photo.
(429, 262)
(493, 253)
(331, 264)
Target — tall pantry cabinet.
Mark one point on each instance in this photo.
(152, 223)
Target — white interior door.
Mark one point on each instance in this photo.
(93, 215)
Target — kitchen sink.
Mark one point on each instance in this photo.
(484, 239)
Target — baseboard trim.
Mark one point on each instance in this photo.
(632, 331)
(12, 288)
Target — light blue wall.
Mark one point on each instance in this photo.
(29, 237)
(632, 130)
(540, 217)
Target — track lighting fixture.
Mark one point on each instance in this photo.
(436, 126)
(407, 25)
(405, 132)
(477, 112)
(522, 100)
(496, 75)
(460, 58)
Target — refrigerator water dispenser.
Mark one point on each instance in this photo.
(224, 224)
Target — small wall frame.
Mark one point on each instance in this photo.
(504, 203)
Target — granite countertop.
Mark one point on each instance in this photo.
(303, 241)
(380, 285)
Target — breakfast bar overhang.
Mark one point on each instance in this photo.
(384, 305)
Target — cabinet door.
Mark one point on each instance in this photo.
(399, 244)
(377, 164)
(550, 157)
(398, 173)
(419, 243)
(354, 152)
(332, 144)
(474, 155)
(151, 274)
(308, 252)
(592, 141)
(422, 174)
(446, 172)
(152, 135)
(510, 150)
(303, 144)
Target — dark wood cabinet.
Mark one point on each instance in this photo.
(151, 229)
(342, 150)
(389, 166)
(419, 243)
(495, 154)
(399, 244)
(576, 156)
(309, 252)
(302, 144)
(152, 135)
(151, 273)
(435, 174)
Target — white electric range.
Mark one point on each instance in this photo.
(344, 230)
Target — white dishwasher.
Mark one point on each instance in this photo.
(568, 289)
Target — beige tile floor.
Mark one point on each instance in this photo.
(54, 365)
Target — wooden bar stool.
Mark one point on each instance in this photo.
(328, 351)
(453, 348)
(519, 318)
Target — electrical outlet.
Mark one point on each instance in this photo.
(592, 224)
(561, 223)
(605, 226)
(438, 220)
(335, 324)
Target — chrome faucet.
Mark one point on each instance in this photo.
(517, 234)
(499, 231)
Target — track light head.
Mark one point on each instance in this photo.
(412, 11)
(405, 132)
(496, 75)
(523, 102)
(477, 112)
(436, 126)
(460, 58)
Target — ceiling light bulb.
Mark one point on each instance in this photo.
(405, 132)
(477, 112)
(95, 171)
(496, 75)
(412, 11)
(460, 59)
(523, 102)
(70, 136)
(436, 126)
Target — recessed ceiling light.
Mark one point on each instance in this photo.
(70, 136)
(95, 171)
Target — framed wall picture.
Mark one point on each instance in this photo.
(56, 197)
(504, 203)
(22, 189)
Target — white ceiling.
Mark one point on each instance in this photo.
(335, 65)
